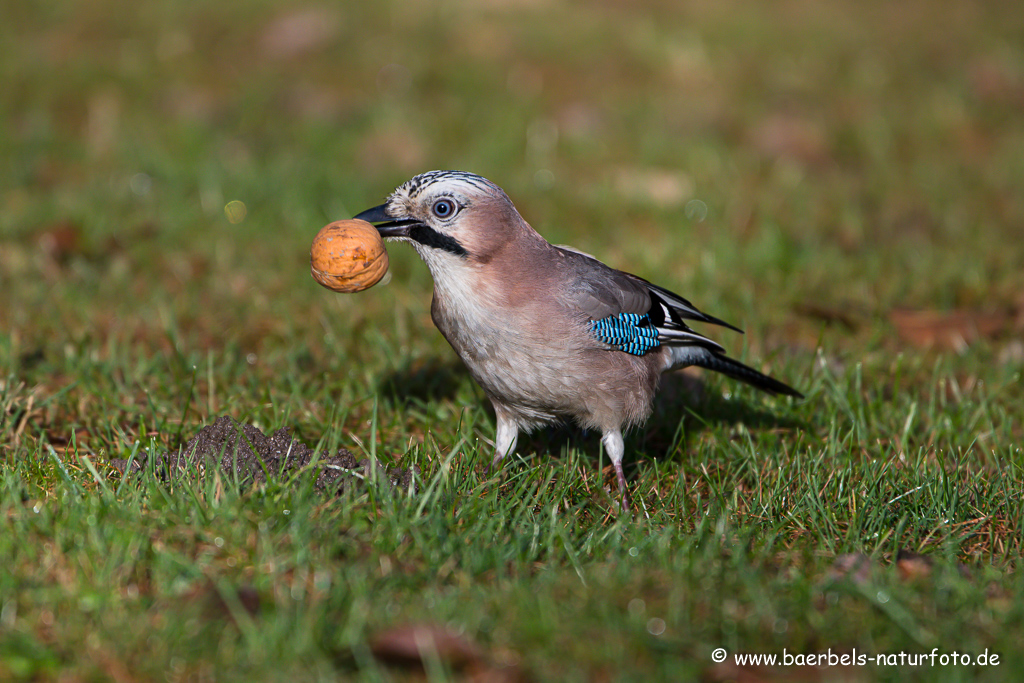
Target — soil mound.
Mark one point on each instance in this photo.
(245, 454)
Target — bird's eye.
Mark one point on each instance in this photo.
(444, 208)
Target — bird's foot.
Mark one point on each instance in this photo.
(627, 504)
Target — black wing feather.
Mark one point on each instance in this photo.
(601, 291)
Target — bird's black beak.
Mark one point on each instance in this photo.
(386, 224)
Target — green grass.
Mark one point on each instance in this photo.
(814, 165)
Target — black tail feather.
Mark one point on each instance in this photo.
(737, 370)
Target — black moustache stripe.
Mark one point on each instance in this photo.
(429, 237)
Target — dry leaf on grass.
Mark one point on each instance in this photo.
(846, 317)
(947, 330)
(410, 645)
(733, 673)
(413, 646)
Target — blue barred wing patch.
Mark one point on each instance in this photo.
(627, 332)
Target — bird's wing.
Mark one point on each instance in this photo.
(676, 306)
(599, 290)
(630, 306)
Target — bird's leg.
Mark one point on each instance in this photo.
(505, 439)
(615, 448)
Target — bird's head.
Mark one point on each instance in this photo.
(448, 216)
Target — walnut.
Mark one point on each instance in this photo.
(348, 256)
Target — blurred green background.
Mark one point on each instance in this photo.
(851, 157)
(842, 179)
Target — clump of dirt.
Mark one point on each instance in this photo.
(245, 454)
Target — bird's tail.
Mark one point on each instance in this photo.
(737, 370)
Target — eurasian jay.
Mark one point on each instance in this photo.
(548, 331)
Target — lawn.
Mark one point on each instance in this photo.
(843, 180)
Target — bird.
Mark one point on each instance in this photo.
(549, 332)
